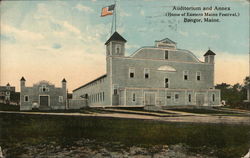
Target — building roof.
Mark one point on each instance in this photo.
(209, 52)
(64, 80)
(115, 37)
(22, 79)
(103, 76)
(166, 40)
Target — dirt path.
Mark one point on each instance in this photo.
(200, 118)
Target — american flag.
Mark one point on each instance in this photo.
(108, 10)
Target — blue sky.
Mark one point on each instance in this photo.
(50, 40)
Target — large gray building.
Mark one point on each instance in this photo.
(43, 95)
(160, 75)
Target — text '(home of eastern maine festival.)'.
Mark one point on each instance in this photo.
(211, 14)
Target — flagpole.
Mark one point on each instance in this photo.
(112, 26)
(115, 15)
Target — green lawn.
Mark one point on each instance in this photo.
(224, 141)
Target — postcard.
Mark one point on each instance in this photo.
(125, 78)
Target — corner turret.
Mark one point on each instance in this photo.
(209, 57)
(22, 82)
(115, 45)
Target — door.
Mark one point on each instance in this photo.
(149, 98)
(44, 100)
(200, 99)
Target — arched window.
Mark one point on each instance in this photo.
(117, 50)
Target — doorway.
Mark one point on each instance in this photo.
(149, 98)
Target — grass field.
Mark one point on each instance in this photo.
(224, 141)
(203, 111)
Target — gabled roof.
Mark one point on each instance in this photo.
(22, 79)
(115, 37)
(209, 52)
(103, 76)
(166, 40)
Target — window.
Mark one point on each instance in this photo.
(26, 98)
(7, 93)
(115, 91)
(176, 97)
(44, 88)
(166, 54)
(103, 96)
(185, 75)
(213, 97)
(131, 72)
(189, 98)
(198, 76)
(60, 99)
(8, 87)
(133, 97)
(146, 73)
(169, 97)
(166, 83)
(117, 48)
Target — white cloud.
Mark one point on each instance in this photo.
(124, 13)
(21, 34)
(71, 27)
(81, 7)
(142, 12)
(183, 33)
(82, 50)
(212, 36)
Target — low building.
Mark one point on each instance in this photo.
(43, 95)
(160, 75)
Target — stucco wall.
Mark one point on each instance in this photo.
(35, 92)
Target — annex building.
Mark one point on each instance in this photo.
(43, 96)
(160, 75)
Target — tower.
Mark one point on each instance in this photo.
(209, 57)
(64, 89)
(22, 83)
(115, 45)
